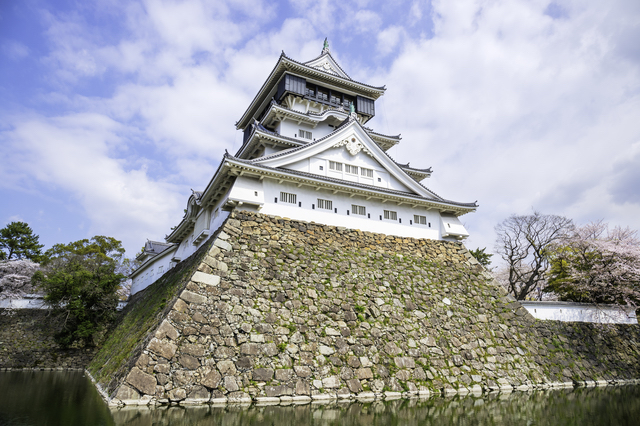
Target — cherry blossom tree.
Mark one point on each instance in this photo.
(15, 279)
(597, 264)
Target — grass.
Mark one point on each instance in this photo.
(124, 344)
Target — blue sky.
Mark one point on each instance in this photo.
(111, 111)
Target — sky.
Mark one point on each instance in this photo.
(111, 111)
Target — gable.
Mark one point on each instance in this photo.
(351, 145)
(326, 63)
(338, 163)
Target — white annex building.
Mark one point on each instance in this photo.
(307, 155)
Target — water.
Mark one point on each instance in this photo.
(68, 398)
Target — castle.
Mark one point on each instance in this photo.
(308, 155)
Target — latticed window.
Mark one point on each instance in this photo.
(351, 169)
(421, 220)
(391, 215)
(304, 134)
(287, 197)
(335, 166)
(361, 210)
(325, 204)
(366, 172)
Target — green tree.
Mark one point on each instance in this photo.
(80, 281)
(18, 241)
(483, 258)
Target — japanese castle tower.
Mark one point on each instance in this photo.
(308, 155)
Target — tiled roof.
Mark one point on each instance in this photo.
(355, 184)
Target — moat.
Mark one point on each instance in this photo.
(69, 398)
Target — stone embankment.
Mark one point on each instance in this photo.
(274, 310)
(26, 342)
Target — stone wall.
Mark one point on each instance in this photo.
(26, 341)
(281, 310)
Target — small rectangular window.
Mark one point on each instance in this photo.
(335, 166)
(321, 167)
(366, 172)
(422, 220)
(304, 134)
(361, 210)
(160, 270)
(351, 169)
(391, 215)
(287, 197)
(325, 204)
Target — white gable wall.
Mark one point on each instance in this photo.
(380, 179)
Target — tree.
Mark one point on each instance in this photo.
(80, 281)
(596, 264)
(18, 240)
(483, 258)
(522, 243)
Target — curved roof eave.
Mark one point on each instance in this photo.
(281, 67)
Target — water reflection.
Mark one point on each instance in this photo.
(55, 398)
(609, 406)
(50, 398)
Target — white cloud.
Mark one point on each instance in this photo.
(518, 109)
(74, 152)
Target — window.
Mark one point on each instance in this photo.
(391, 215)
(321, 167)
(366, 172)
(160, 270)
(335, 166)
(422, 220)
(325, 204)
(287, 197)
(304, 134)
(351, 169)
(361, 210)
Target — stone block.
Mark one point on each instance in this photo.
(230, 384)
(226, 367)
(212, 379)
(262, 374)
(281, 390)
(191, 297)
(326, 350)
(222, 244)
(302, 371)
(284, 375)
(180, 306)
(177, 394)
(164, 349)
(166, 330)
(250, 348)
(142, 381)
(364, 373)
(125, 392)
(302, 387)
(331, 382)
(404, 362)
(354, 385)
(189, 362)
(207, 279)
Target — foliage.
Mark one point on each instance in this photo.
(522, 243)
(595, 264)
(18, 241)
(80, 281)
(483, 258)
